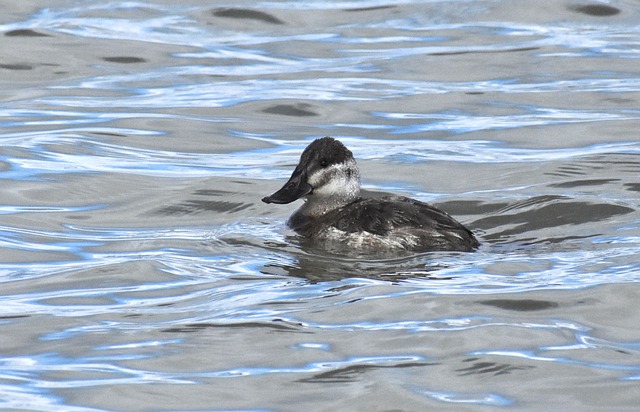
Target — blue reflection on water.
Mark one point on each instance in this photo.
(12, 210)
(533, 356)
(224, 284)
(484, 399)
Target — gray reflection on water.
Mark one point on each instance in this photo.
(139, 270)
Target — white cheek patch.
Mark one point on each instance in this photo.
(330, 173)
(335, 180)
(336, 186)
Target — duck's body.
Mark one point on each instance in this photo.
(327, 176)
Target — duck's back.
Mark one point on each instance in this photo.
(392, 221)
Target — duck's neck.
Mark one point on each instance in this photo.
(315, 206)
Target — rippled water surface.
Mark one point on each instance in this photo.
(140, 271)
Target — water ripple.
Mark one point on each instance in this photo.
(231, 93)
(140, 270)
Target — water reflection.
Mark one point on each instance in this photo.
(139, 270)
(524, 218)
(25, 33)
(327, 267)
(598, 10)
(520, 305)
(247, 14)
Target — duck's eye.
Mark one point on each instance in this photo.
(324, 163)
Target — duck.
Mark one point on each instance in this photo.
(334, 211)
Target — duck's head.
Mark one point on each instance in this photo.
(327, 173)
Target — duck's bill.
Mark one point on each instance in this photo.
(294, 189)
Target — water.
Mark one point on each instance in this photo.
(141, 272)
